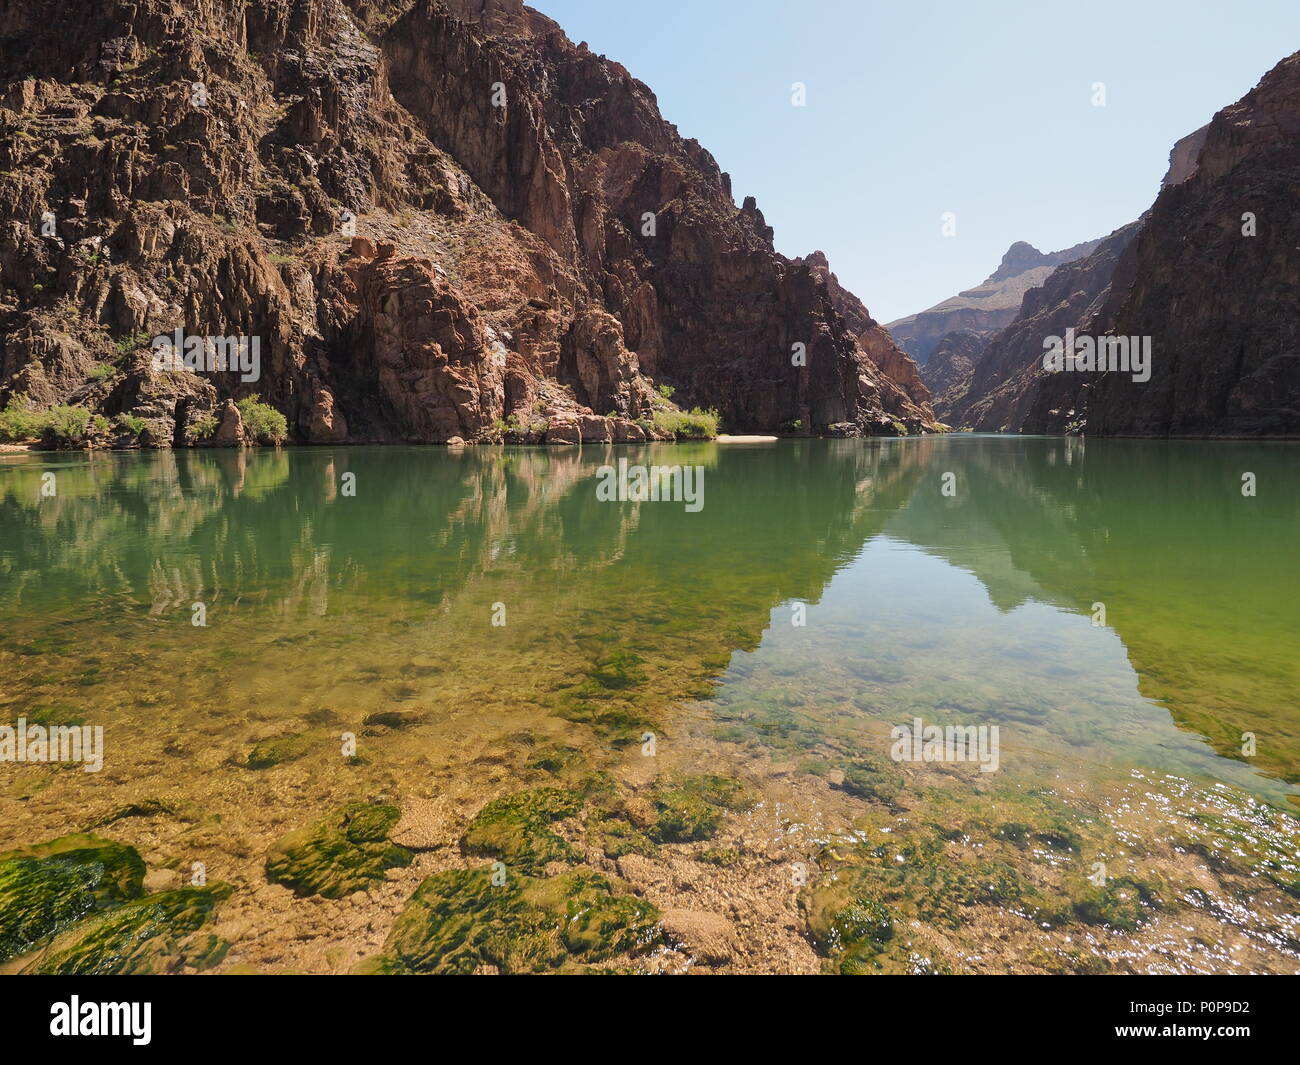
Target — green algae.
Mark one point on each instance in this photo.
(152, 935)
(555, 758)
(517, 829)
(280, 749)
(345, 852)
(1058, 835)
(619, 669)
(143, 808)
(870, 776)
(615, 719)
(616, 835)
(722, 857)
(460, 920)
(47, 887)
(691, 808)
(1122, 902)
(1256, 847)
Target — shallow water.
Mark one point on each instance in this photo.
(826, 592)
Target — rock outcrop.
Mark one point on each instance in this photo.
(951, 363)
(437, 218)
(897, 366)
(1207, 277)
(1213, 281)
(987, 308)
(1001, 387)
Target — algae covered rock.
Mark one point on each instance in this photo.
(517, 829)
(916, 874)
(461, 919)
(47, 887)
(617, 836)
(872, 777)
(1122, 902)
(691, 808)
(847, 922)
(280, 749)
(156, 934)
(345, 852)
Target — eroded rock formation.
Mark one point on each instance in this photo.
(537, 252)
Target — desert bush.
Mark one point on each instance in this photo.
(262, 422)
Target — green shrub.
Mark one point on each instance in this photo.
(127, 344)
(262, 422)
(133, 425)
(205, 426)
(688, 425)
(18, 421)
(103, 371)
(67, 426)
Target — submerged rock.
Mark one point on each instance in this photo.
(49, 886)
(692, 808)
(872, 777)
(516, 829)
(460, 920)
(152, 935)
(343, 853)
(279, 749)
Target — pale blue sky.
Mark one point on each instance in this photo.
(917, 107)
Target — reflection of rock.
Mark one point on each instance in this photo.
(1045, 527)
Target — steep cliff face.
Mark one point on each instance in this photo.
(1207, 277)
(1214, 283)
(1003, 384)
(898, 367)
(989, 307)
(437, 218)
(951, 363)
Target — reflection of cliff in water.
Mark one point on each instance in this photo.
(274, 546)
(1189, 570)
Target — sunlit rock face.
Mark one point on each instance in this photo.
(440, 220)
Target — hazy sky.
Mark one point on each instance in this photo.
(919, 107)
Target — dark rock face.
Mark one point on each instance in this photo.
(1003, 384)
(914, 403)
(437, 216)
(1221, 307)
(1218, 304)
(951, 362)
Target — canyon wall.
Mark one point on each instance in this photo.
(439, 219)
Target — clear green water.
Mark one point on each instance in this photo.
(975, 608)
